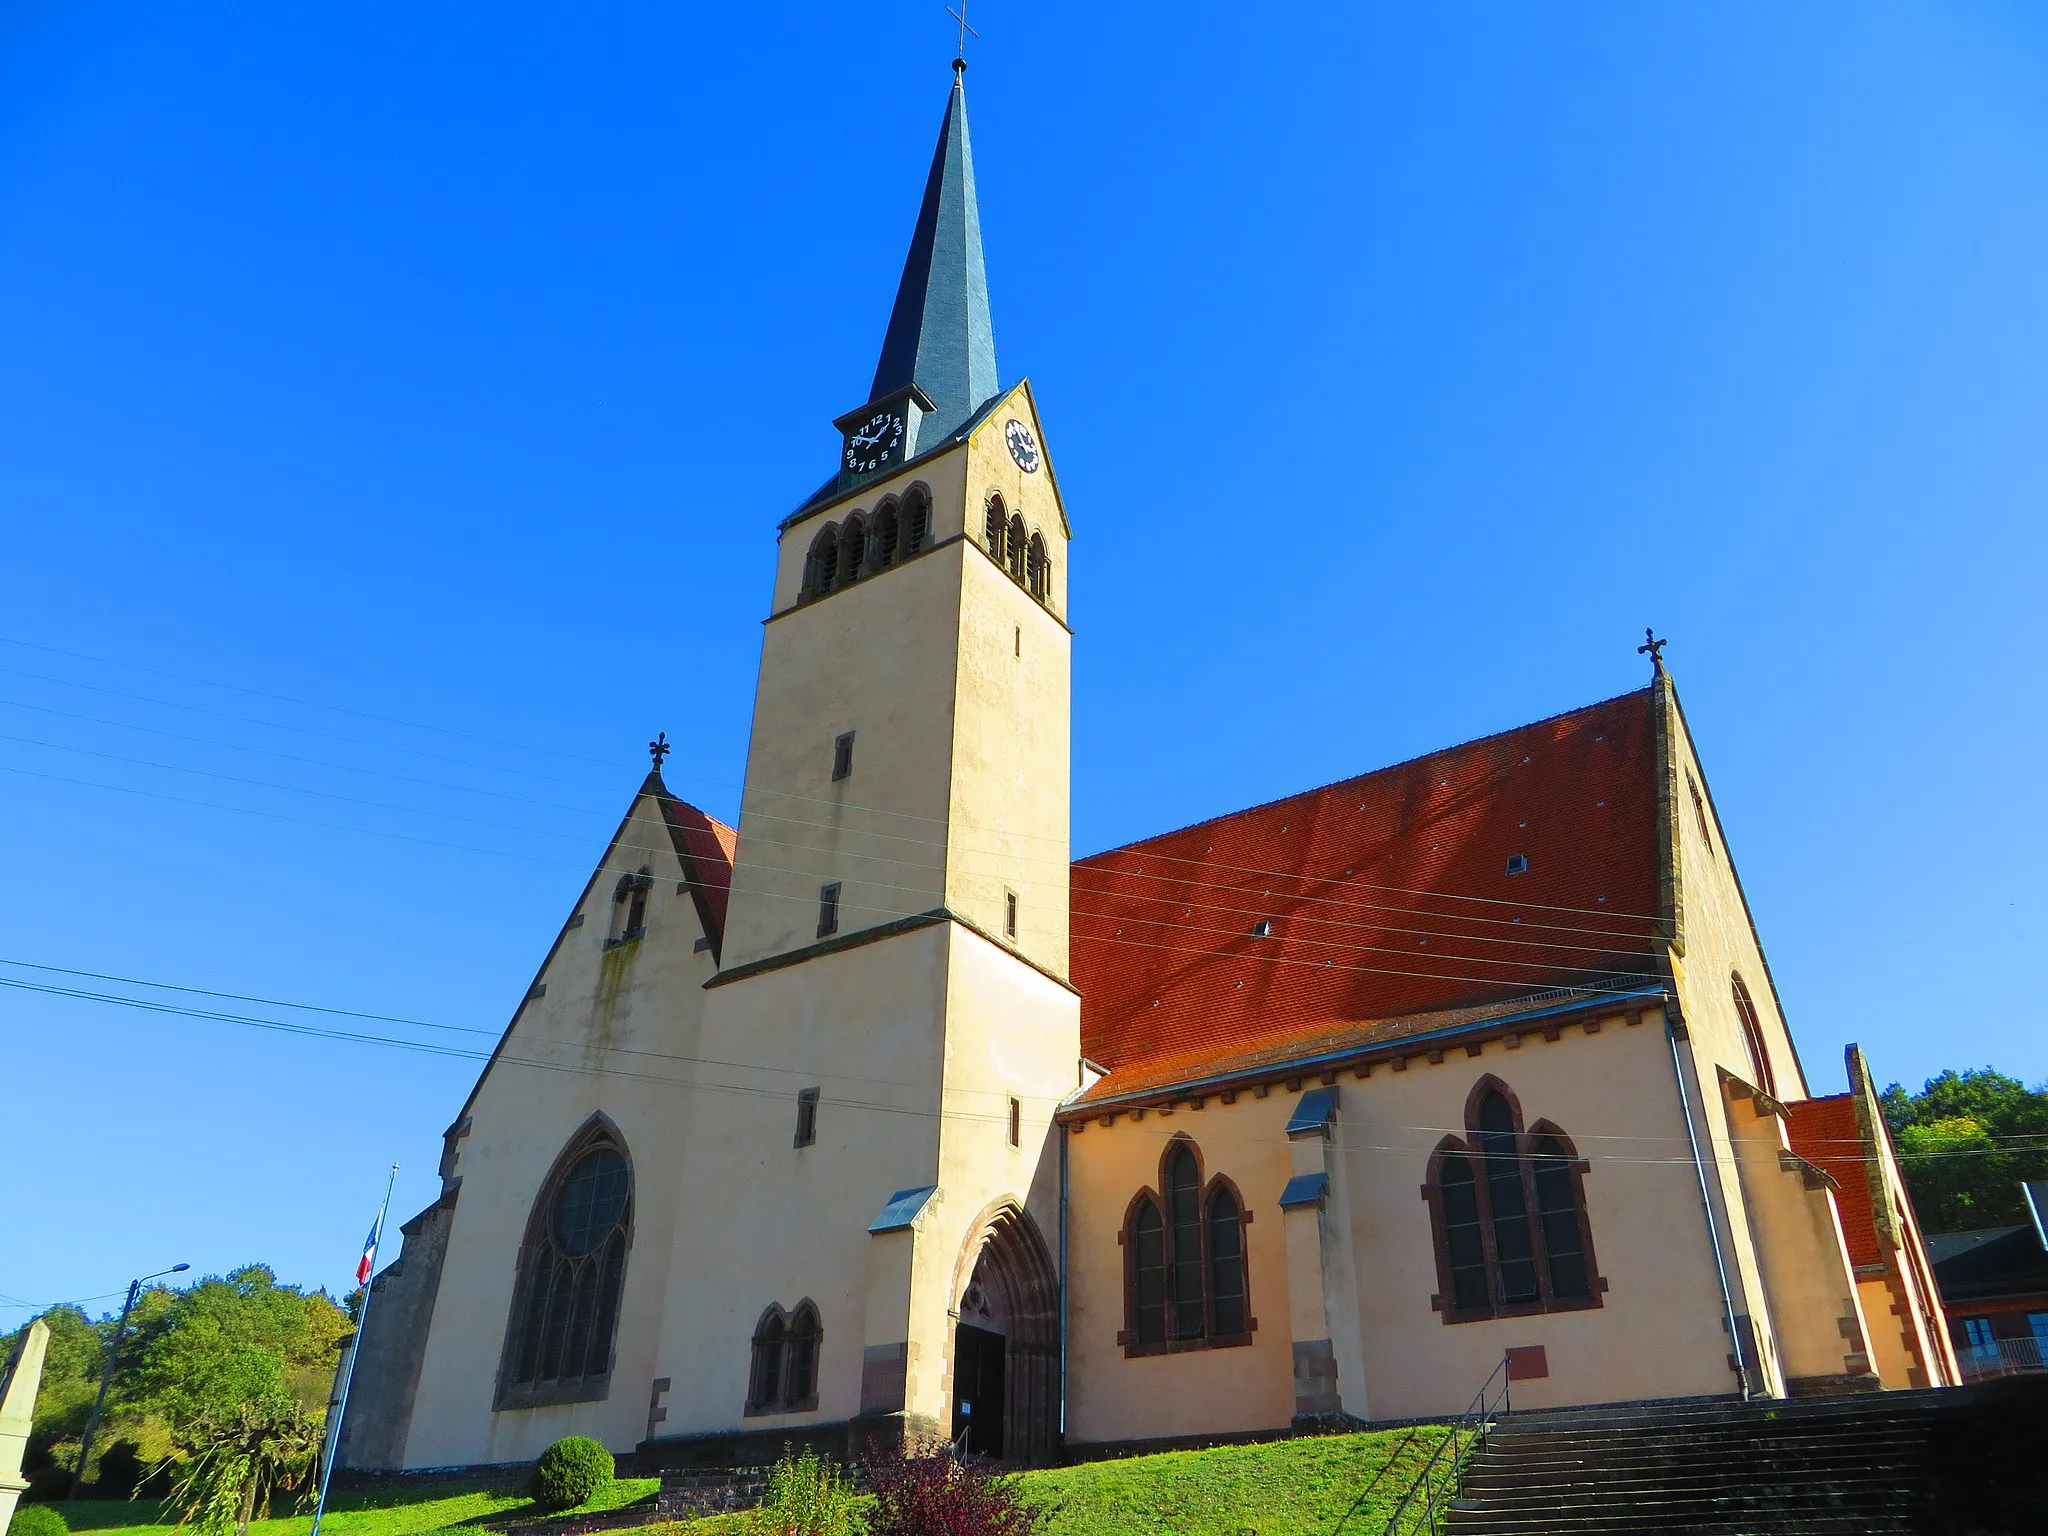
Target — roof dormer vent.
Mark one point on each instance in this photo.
(1263, 928)
(1518, 863)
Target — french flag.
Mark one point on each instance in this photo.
(368, 1261)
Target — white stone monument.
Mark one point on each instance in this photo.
(18, 1411)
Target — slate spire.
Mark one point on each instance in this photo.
(940, 336)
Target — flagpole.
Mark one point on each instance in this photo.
(348, 1375)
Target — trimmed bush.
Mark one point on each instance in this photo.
(570, 1471)
(37, 1520)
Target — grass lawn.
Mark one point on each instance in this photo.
(431, 1506)
(1285, 1488)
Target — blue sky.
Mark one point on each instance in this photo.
(397, 402)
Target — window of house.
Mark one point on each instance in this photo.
(1753, 1038)
(806, 1116)
(821, 567)
(1509, 1212)
(629, 907)
(1009, 914)
(1518, 863)
(1016, 1123)
(783, 1377)
(842, 755)
(887, 534)
(828, 909)
(1977, 1332)
(997, 527)
(917, 521)
(572, 1266)
(1699, 808)
(1184, 1261)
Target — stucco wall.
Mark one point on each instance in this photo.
(1658, 1332)
(617, 1032)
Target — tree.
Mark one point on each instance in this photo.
(237, 1460)
(1967, 1141)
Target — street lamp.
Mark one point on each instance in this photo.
(92, 1424)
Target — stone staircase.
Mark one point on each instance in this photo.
(1961, 1461)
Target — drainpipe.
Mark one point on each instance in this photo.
(1063, 1283)
(1672, 1026)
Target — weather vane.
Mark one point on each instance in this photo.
(658, 749)
(1653, 648)
(960, 58)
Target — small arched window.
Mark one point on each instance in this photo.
(1509, 1211)
(1185, 1261)
(822, 573)
(1753, 1038)
(1038, 567)
(783, 1376)
(629, 907)
(998, 527)
(1016, 546)
(887, 529)
(572, 1268)
(853, 550)
(917, 521)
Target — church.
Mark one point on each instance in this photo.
(882, 1118)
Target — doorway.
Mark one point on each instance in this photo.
(978, 1390)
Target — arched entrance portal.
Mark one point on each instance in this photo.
(1006, 1348)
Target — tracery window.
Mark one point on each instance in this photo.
(572, 1267)
(1508, 1209)
(784, 1373)
(1753, 1038)
(1185, 1278)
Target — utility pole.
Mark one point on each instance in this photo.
(92, 1425)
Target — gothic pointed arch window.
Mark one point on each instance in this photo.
(783, 1376)
(1038, 567)
(572, 1268)
(1186, 1280)
(1508, 1210)
(1753, 1037)
(917, 521)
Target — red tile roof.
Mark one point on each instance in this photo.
(706, 846)
(1389, 898)
(1825, 1133)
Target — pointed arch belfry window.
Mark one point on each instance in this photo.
(1508, 1210)
(572, 1269)
(1186, 1281)
(917, 521)
(998, 527)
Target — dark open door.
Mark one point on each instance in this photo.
(978, 1389)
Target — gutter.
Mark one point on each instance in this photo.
(1672, 1028)
(1406, 1044)
(1063, 1285)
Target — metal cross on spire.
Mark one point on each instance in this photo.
(960, 57)
(658, 749)
(1653, 648)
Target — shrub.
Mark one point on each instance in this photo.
(570, 1471)
(806, 1497)
(936, 1496)
(37, 1520)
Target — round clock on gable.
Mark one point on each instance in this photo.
(1023, 446)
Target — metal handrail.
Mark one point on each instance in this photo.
(1437, 1487)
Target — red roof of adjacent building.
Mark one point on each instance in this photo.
(706, 846)
(1425, 894)
(1826, 1134)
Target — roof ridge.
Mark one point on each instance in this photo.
(1406, 762)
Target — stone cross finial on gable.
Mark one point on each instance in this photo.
(1653, 648)
(658, 749)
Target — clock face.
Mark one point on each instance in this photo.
(876, 443)
(1023, 446)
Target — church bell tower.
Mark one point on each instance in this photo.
(896, 943)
